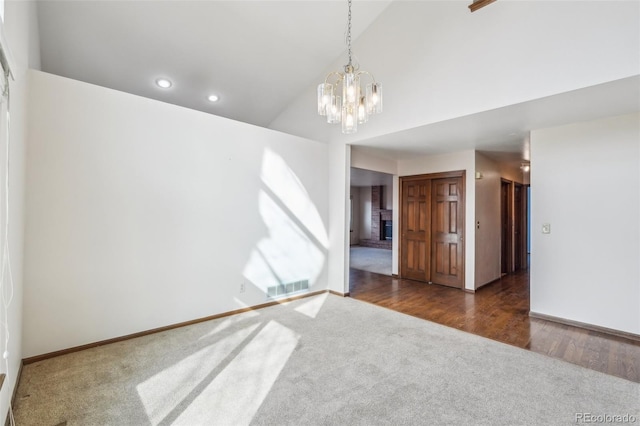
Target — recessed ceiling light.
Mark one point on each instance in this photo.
(213, 98)
(164, 83)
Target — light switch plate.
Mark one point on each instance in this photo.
(546, 228)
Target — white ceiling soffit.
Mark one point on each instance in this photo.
(257, 56)
(504, 130)
(361, 177)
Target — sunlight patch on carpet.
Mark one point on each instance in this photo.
(161, 393)
(229, 321)
(312, 307)
(235, 395)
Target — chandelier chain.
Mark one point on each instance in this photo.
(349, 32)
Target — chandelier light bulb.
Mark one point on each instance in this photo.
(334, 110)
(362, 110)
(349, 122)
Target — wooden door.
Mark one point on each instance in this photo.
(517, 226)
(432, 228)
(415, 227)
(505, 226)
(520, 226)
(447, 233)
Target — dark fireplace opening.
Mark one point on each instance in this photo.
(387, 230)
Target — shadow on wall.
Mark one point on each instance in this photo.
(291, 258)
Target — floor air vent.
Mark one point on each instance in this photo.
(285, 289)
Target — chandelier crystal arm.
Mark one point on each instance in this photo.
(337, 74)
(359, 73)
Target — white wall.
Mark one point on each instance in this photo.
(365, 213)
(355, 215)
(366, 161)
(513, 173)
(487, 230)
(464, 160)
(585, 183)
(395, 240)
(142, 214)
(21, 31)
(339, 169)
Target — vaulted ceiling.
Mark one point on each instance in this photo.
(256, 55)
(265, 58)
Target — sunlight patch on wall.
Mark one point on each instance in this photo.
(162, 393)
(295, 249)
(288, 254)
(286, 186)
(238, 391)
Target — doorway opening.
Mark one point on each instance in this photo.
(514, 226)
(371, 228)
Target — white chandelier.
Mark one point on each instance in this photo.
(344, 101)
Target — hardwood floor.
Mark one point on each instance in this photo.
(500, 311)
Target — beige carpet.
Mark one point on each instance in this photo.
(370, 259)
(323, 360)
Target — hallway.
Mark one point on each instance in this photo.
(500, 311)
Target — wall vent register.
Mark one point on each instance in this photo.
(287, 289)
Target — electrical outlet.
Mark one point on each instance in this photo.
(242, 288)
(546, 228)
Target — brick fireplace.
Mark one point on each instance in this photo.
(381, 222)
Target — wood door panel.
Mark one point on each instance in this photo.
(447, 232)
(410, 255)
(453, 217)
(422, 257)
(411, 216)
(439, 258)
(416, 256)
(453, 266)
(423, 222)
(415, 230)
(417, 217)
(439, 218)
